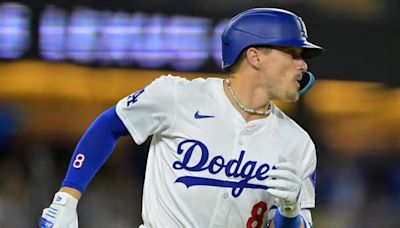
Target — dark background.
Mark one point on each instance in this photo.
(360, 36)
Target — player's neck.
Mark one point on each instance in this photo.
(249, 94)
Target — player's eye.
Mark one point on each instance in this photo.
(294, 53)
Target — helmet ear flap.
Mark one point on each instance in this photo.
(307, 81)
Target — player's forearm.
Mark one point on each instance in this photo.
(273, 226)
(72, 191)
(94, 149)
(288, 220)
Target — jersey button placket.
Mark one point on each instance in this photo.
(248, 130)
(222, 210)
(226, 195)
(225, 198)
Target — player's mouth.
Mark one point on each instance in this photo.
(298, 80)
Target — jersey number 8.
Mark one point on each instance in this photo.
(78, 162)
(257, 214)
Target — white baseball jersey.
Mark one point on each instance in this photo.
(206, 165)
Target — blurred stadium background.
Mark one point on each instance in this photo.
(64, 62)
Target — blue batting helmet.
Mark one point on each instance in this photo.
(264, 27)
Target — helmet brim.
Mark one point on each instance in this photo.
(311, 50)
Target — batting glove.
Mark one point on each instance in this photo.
(61, 213)
(285, 184)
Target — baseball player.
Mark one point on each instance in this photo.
(222, 154)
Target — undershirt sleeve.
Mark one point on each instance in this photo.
(94, 148)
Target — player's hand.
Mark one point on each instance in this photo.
(285, 184)
(61, 213)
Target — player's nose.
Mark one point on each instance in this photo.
(301, 65)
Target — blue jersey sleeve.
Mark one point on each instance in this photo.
(94, 148)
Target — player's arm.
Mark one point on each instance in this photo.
(288, 222)
(71, 191)
(94, 148)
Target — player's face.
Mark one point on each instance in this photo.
(283, 68)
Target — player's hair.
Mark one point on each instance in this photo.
(242, 57)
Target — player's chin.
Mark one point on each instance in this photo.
(292, 96)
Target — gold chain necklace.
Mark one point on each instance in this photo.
(245, 109)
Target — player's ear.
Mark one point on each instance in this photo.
(253, 57)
